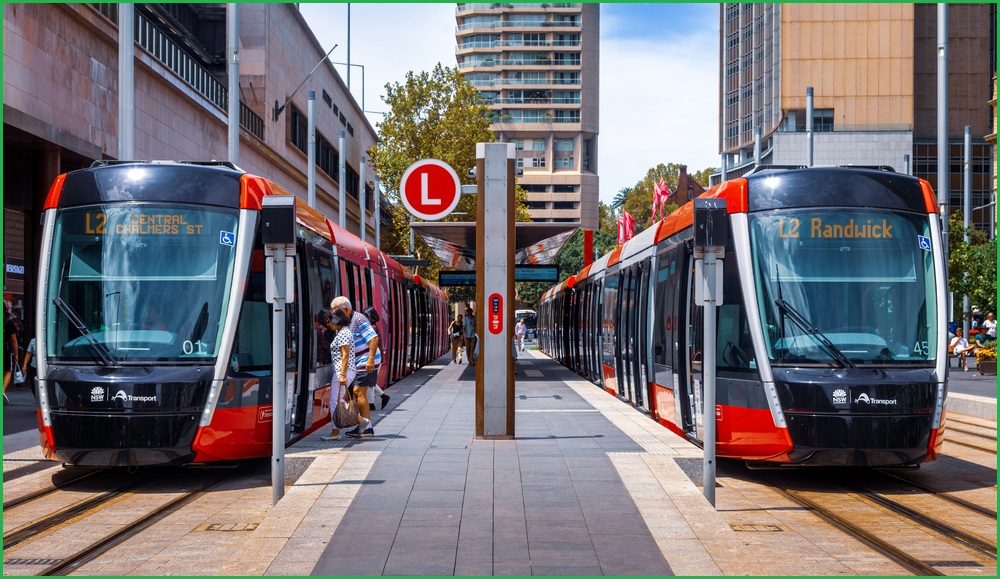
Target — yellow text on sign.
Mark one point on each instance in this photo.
(143, 224)
(819, 229)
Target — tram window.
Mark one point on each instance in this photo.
(252, 344)
(735, 349)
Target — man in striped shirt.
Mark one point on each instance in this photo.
(365, 342)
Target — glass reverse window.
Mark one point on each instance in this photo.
(864, 280)
(147, 281)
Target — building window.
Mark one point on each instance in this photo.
(519, 163)
(564, 188)
(538, 162)
(564, 162)
(519, 144)
(564, 144)
(327, 158)
(564, 204)
(537, 144)
(567, 117)
(563, 97)
(298, 130)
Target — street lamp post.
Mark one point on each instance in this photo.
(362, 67)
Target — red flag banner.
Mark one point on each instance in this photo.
(629, 225)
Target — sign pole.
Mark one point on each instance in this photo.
(278, 235)
(711, 233)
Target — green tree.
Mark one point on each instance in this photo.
(639, 199)
(702, 177)
(972, 266)
(432, 115)
(570, 257)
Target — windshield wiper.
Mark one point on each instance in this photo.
(74, 319)
(810, 329)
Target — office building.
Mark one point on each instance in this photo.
(60, 86)
(873, 72)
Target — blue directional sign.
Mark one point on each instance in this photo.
(539, 273)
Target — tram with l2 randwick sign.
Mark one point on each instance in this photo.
(153, 330)
(831, 339)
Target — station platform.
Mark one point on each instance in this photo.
(588, 486)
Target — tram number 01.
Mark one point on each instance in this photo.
(189, 347)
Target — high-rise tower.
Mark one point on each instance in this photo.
(536, 67)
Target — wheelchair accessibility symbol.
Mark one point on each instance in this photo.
(924, 242)
(227, 238)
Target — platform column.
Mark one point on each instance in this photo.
(495, 289)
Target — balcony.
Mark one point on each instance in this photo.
(169, 54)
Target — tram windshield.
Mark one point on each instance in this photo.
(845, 287)
(139, 282)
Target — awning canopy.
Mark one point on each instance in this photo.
(454, 243)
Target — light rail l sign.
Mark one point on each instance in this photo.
(430, 189)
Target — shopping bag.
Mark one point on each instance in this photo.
(18, 375)
(346, 414)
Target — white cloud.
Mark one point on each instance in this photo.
(389, 40)
(658, 98)
(659, 104)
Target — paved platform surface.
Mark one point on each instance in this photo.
(589, 486)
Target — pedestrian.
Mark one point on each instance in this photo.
(30, 363)
(519, 331)
(342, 357)
(990, 327)
(470, 335)
(960, 347)
(367, 357)
(11, 352)
(375, 390)
(457, 341)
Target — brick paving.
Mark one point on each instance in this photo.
(589, 486)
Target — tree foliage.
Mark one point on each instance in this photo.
(570, 257)
(638, 199)
(432, 115)
(972, 266)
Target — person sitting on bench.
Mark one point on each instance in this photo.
(960, 347)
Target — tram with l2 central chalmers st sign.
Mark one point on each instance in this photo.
(154, 332)
(831, 337)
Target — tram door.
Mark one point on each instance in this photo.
(296, 383)
(640, 333)
(622, 308)
(695, 343)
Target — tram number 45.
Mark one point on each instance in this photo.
(189, 347)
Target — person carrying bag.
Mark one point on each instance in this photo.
(342, 361)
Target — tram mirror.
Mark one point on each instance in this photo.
(711, 224)
(277, 217)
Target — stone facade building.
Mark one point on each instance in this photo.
(61, 106)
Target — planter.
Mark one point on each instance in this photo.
(988, 367)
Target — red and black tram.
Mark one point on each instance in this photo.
(831, 337)
(154, 335)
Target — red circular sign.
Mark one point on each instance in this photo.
(430, 189)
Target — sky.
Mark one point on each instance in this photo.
(658, 87)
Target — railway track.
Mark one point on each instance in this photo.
(81, 557)
(35, 495)
(927, 532)
(73, 532)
